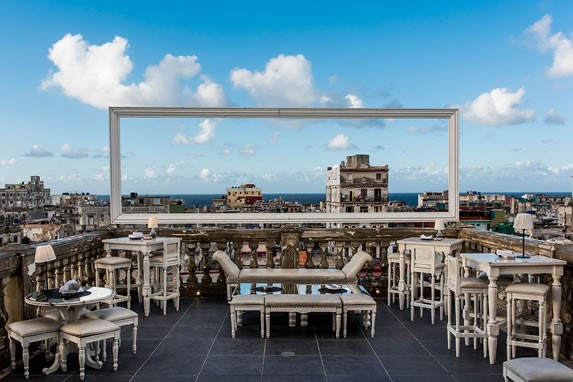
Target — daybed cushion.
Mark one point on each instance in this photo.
(316, 276)
(302, 300)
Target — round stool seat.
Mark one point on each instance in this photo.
(113, 261)
(534, 289)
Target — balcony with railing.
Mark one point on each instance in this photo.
(202, 280)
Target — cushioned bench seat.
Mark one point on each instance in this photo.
(529, 369)
(317, 276)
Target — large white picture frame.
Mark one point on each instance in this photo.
(118, 217)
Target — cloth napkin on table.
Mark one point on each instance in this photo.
(72, 286)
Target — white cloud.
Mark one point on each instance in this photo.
(353, 101)
(149, 173)
(204, 174)
(172, 168)
(96, 75)
(38, 152)
(68, 152)
(559, 44)
(286, 81)
(248, 150)
(8, 162)
(339, 142)
(99, 177)
(498, 107)
(553, 118)
(205, 135)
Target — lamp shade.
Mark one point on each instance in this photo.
(439, 225)
(523, 222)
(44, 253)
(152, 222)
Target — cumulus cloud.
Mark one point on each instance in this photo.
(8, 162)
(553, 118)
(70, 153)
(38, 152)
(286, 81)
(353, 101)
(97, 74)
(339, 142)
(172, 168)
(559, 44)
(205, 135)
(498, 107)
(149, 173)
(204, 174)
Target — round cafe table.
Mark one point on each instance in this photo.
(70, 309)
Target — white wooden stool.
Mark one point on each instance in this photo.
(359, 302)
(394, 276)
(531, 369)
(84, 332)
(112, 265)
(527, 292)
(27, 332)
(121, 317)
(246, 302)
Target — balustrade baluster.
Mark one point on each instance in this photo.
(253, 245)
(323, 245)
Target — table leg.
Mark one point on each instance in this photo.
(402, 281)
(146, 290)
(492, 327)
(556, 324)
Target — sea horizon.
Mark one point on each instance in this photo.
(410, 198)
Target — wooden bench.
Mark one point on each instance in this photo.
(303, 304)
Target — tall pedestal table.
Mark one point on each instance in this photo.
(495, 266)
(143, 248)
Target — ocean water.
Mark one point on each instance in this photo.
(411, 199)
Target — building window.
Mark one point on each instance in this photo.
(363, 208)
(349, 209)
(378, 176)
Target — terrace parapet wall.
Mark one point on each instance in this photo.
(201, 275)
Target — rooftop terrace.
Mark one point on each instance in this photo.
(195, 343)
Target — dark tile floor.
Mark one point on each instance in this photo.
(195, 344)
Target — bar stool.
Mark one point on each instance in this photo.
(474, 289)
(394, 276)
(526, 292)
(426, 262)
(27, 332)
(111, 265)
(160, 264)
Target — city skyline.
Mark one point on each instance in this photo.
(508, 67)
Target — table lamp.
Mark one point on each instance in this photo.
(152, 223)
(439, 225)
(44, 254)
(523, 222)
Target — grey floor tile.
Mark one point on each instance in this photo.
(291, 347)
(401, 365)
(238, 346)
(184, 345)
(163, 366)
(232, 365)
(366, 366)
(345, 346)
(293, 365)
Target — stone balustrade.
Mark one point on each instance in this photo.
(201, 276)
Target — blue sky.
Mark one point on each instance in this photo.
(507, 65)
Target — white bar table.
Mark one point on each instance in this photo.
(450, 247)
(143, 247)
(495, 266)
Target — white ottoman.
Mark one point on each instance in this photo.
(362, 302)
(533, 369)
(246, 302)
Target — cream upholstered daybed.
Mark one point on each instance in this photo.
(346, 275)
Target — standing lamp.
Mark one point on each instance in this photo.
(439, 226)
(44, 254)
(152, 223)
(523, 222)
